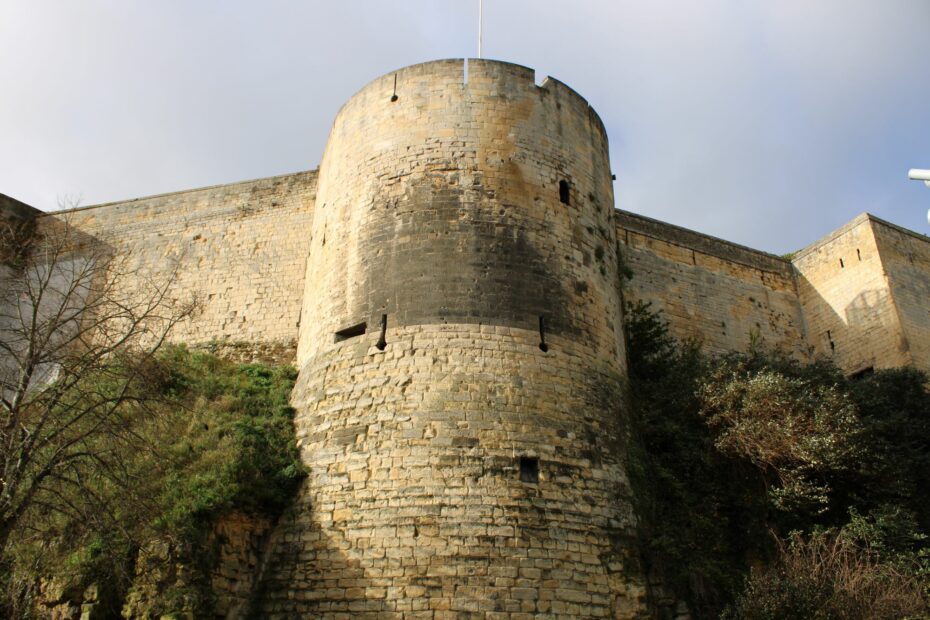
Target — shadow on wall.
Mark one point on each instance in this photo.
(864, 334)
(48, 276)
(421, 499)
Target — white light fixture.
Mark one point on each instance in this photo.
(916, 174)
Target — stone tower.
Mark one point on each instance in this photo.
(461, 360)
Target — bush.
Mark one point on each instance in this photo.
(696, 505)
(212, 437)
(830, 575)
(758, 460)
(796, 424)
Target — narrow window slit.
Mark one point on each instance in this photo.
(381, 340)
(841, 263)
(858, 255)
(351, 332)
(529, 469)
(564, 192)
(542, 334)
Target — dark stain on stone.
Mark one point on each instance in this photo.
(448, 254)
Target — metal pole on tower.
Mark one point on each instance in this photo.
(480, 7)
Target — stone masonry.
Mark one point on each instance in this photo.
(459, 400)
(449, 286)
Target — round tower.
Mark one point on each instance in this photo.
(461, 359)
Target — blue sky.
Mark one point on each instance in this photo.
(766, 123)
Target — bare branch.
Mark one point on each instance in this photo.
(79, 324)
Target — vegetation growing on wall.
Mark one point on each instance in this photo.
(773, 489)
(210, 437)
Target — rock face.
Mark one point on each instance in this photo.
(461, 360)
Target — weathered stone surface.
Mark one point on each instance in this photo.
(239, 248)
(723, 294)
(238, 541)
(442, 212)
(461, 211)
(864, 289)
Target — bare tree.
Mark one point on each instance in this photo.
(79, 324)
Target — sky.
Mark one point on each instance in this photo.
(764, 123)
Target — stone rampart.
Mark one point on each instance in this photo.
(444, 205)
(725, 295)
(905, 257)
(848, 304)
(240, 249)
(448, 285)
(416, 505)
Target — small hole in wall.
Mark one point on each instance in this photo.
(841, 263)
(351, 332)
(564, 192)
(858, 255)
(529, 469)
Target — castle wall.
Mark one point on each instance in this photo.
(905, 257)
(440, 207)
(851, 314)
(449, 287)
(720, 293)
(240, 249)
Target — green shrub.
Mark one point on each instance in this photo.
(832, 575)
(758, 460)
(208, 437)
(696, 505)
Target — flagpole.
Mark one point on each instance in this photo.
(480, 3)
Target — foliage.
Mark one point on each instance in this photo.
(894, 407)
(795, 423)
(212, 437)
(816, 480)
(832, 575)
(696, 506)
